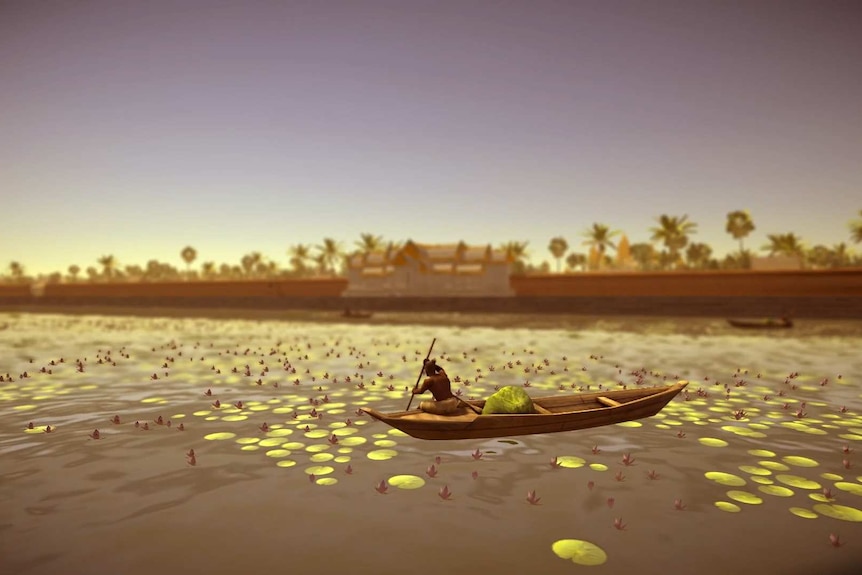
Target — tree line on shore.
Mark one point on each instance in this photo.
(670, 248)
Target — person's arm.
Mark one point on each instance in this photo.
(422, 387)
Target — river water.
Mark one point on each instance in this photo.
(729, 477)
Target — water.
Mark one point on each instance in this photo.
(131, 503)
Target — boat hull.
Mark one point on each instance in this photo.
(471, 426)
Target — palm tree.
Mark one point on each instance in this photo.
(299, 254)
(840, 256)
(673, 231)
(856, 229)
(643, 254)
(739, 225)
(784, 244)
(74, 270)
(697, 255)
(558, 248)
(576, 260)
(16, 270)
(332, 253)
(819, 256)
(189, 254)
(109, 266)
(516, 252)
(369, 243)
(249, 262)
(208, 269)
(599, 237)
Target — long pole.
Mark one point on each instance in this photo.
(420, 373)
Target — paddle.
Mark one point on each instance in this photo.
(421, 371)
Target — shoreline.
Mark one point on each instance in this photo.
(641, 324)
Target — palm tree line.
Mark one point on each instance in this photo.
(670, 248)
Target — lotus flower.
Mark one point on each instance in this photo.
(359, 412)
(652, 474)
(49, 429)
(590, 485)
(382, 487)
(311, 477)
(618, 523)
(146, 426)
(843, 409)
(619, 476)
(181, 427)
(739, 414)
(611, 502)
(847, 464)
(680, 434)
(444, 493)
(799, 413)
(827, 493)
(95, 434)
(217, 404)
(475, 475)
(678, 504)
(159, 421)
(596, 450)
(30, 425)
(192, 460)
(238, 405)
(532, 499)
(115, 420)
(431, 471)
(628, 459)
(348, 470)
(264, 427)
(835, 540)
(846, 449)
(438, 459)
(555, 463)
(477, 455)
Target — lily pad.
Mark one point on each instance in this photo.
(598, 467)
(352, 441)
(570, 461)
(774, 465)
(854, 488)
(802, 512)
(799, 461)
(713, 442)
(761, 453)
(727, 479)
(841, 512)
(776, 490)
(270, 442)
(319, 470)
(630, 424)
(220, 436)
(727, 506)
(579, 552)
(277, 453)
(321, 457)
(326, 481)
(385, 443)
(751, 469)
(382, 454)
(247, 440)
(762, 480)
(286, 463)
(832, 476)
(797, 481)
(234, 418)
(406, 481)
(279, 432)
(745, 497)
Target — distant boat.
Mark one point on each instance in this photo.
(769, 323)
(551, 414)
(356, 314)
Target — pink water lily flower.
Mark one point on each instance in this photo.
(382, 487)
(531, 497)
(444, 493)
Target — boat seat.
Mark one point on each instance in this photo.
(539, 409)
(608, 401)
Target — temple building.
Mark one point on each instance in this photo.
(430, 270)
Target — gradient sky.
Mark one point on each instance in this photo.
(135, 128)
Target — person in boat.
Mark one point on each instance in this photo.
(445, 402)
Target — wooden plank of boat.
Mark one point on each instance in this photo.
(761, 323)
(564, 413)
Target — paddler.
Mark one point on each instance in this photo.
(445, 402)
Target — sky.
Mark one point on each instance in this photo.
(137, 128)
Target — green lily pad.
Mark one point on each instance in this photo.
(713, 442)
(579, 552)
(727, 506)
(406, 481)
(745, 497)
(570, 461)
(799, 461)
(802, 512)
(727, 479)
(761, 453)
(751, 469)
(797, 481)
(854, 488)
(326, 481)
(321, 457)
(286, 463)
(776, 490)
(382, 454)
(774, 465)
(319, 470)
(841, 512)
(220, 436)
(598, 467)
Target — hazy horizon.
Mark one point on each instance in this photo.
(136, 129)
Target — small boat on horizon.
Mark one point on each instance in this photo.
(552, 414)
(768, 323)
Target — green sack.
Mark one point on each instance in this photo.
(509, 399)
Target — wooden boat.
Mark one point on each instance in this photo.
(768, 323)
(552, 414)
(356, 314)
